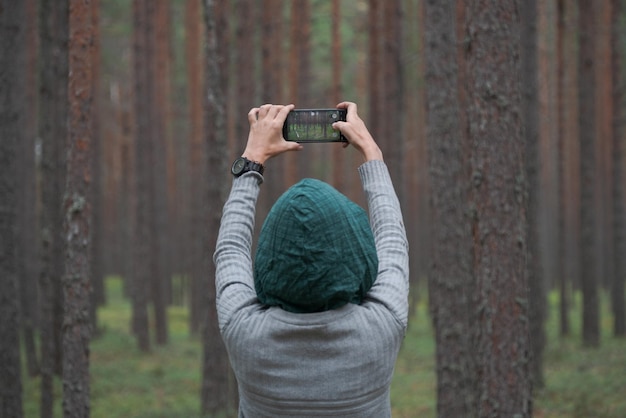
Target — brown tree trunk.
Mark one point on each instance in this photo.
(216, 376)
(297, 164)
(374, 106)
(97, 212)
(53, 116)
(619, 179)
(272, 91)
(570, 155)
(604, 134)
(531, 114)
(77, 208)
(244, 62)
(197, 154)
(143, 149)
(548, 192)
(497, 163)
(12, 109)
(450, 277)
(393, 100)
(338, 153)
(28, 247)
(158, 50)
(589, 193)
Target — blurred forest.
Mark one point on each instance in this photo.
(120, 119)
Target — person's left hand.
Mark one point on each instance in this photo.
(265, 139)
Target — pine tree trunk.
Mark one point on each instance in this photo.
(53, 116)
(12, 108)
(216, 375)
(537, 287)
(619, 180)
(28, 247)
(158, 35)
(498, 200)
(588, 151)
(97, 234)
(272, 91)
(143, 149)
(450, 276)
(77, 206)
(570, 150)
(197, 157)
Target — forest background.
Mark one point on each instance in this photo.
(135, 174)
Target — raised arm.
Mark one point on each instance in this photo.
(392, 283)
(234, 279)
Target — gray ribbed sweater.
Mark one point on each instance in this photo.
(336, 363)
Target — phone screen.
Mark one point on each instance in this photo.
(313, 125)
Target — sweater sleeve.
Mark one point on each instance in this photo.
(391, 287)
(234, 281)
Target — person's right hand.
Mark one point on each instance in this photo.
(356, 132)
(265, 139)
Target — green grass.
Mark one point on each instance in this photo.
(126, 383)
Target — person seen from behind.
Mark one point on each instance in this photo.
(314, 322)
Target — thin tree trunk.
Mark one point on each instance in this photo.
(97, 234)
(197, 157)
(143, 148)
(158, 41)
(619, 180)
(216, 375)
(537, 288)
(588, 150)
(77, 207)
(570, 145)
(28, 247)
(338, 153)
(12, 109)
(53, 116)
(374, 107)
(272, 90)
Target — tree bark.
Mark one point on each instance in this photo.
(197, 155)
(498, 199)
(216, 376)
(619, 180)
(28, 247)
(12, 108)
(77, 207)
(158, 50)
(143, 150)
(450, 276)
(570, 155)
(531, 114)
(53, 116)
(589, 193)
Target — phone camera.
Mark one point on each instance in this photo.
(333, 115)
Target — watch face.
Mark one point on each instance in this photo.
(238, 165)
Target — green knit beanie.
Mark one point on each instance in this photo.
(316, 251)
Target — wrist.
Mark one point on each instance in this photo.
(371, 154)
(257, 157)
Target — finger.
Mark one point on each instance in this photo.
(352, 109)
(293, 146)
(264, 109)
(282, 114)
(273, 111)
(252, 115)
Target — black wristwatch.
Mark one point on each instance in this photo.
(243, 165)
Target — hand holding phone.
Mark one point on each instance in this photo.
(314, 125)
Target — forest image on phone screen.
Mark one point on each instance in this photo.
(313, 125)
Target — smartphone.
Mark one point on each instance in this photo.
(313, 125)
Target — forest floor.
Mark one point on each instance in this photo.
(580, 382)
